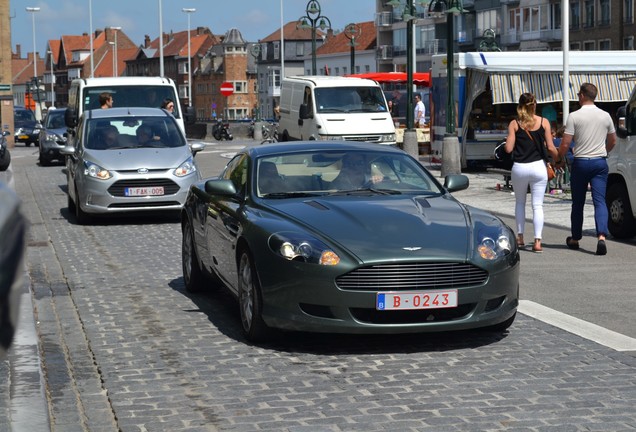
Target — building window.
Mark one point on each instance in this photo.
(589, 13)
(489, 19)
(300, 49)
(183, 91)
(555, 11)
(589, 46)
(575, 15)
(201, 88)
(575, 46)
(628, 43)
(367, 68)
(183, 67)
(337, 71)
(628, 11)
(605, 45)
(604, 7)
(276, 50)
(240, 86)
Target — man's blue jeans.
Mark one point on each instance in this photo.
(593, 171)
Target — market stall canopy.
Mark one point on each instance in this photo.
(419, 78)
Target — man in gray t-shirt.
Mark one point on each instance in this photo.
(593, 131)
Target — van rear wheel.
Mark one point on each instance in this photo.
(621, 221)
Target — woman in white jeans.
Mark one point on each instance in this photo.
(528, 136)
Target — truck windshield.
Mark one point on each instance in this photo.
(147, 96)
(349, 99)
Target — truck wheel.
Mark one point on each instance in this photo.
(621, 222)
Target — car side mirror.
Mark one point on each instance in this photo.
(221, 187)
(456, 182)
(196, 147)
(70, 118)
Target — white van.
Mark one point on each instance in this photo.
(621, 183)
(334, 108)
(127, 92)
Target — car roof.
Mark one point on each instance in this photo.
(303, 146)
(125, 112)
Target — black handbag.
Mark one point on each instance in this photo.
(503, 158)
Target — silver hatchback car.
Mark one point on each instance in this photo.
(128, 160)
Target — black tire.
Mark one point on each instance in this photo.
(81, 217)
(44, 161)
(251, 301)
(27, 144)
(621, 222)
(192, 274)
(502, 326)
(5, 161)
(217, 135)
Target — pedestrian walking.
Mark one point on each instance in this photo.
(419, 112)
(528, 137)
(595, 136)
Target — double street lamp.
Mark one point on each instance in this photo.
(352, 31)
(189, 11)
(313, 19)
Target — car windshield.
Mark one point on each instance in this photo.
(355, 172)
(145, 96)
(55, 119)
(349, 99)
(24, 115)
(132, 132)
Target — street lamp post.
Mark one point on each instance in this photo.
(160, 41)
(255, 51)
(90, 36)
(38, 115)
(112, 44)
(451, 158)
(352, 31)
(50, 53)
(189, 11)
(115, 62)
(314, 19)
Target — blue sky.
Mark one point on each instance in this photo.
(254, 18)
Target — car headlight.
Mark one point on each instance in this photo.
(301, 247)
(95, 171)
(53, 137)
(388, 138)
(186, 168)
(495, 245)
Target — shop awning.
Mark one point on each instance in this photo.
(547, 86)
(420, 78)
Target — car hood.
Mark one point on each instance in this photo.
(132, 159)
(403, 227)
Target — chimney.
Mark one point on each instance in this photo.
(97, 33)
(18, 51)
(146, 41)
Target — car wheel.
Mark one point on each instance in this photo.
(251, 301)
(192, 273)
(5, 161)
(502, 326)
(44, 161)
(81, 216)
(621, 222)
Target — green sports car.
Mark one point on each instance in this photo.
(347, 237)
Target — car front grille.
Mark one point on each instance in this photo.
(373, 316)
(412, 276)
(362, 138)
(169, 187)
(148, 204)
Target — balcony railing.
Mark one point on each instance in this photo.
(512, 38)
(384, 19)
(384, 52)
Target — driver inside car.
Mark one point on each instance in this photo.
(355, 173)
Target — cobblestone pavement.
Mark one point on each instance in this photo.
(125, 348)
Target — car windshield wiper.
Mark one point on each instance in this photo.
(332, 110)
(291, 194)
(367, 190)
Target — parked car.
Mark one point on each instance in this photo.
(302, 246)
(13, 226)
(27, 129)
(5, 156)
(52, 137)
(126, 160)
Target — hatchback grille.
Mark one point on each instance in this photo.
(169, 187)
(412, 276)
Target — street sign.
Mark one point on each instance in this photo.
(5, 87)
(227, 88)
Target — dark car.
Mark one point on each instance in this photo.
(13, 226)
(27, 129)
(347, 237)
(52, 137)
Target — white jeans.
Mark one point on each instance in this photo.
(535, 175)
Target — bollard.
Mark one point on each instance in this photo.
(410, 143)
(258, 131)
(450, 156)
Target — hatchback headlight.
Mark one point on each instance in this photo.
(186, 168)
(301, 247)
(95, 171)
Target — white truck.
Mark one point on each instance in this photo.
(487, 86)
(334, 108)
(621, 184)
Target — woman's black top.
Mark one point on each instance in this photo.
(526, 150)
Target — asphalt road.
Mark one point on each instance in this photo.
(124, 347)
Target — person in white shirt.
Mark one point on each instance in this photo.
(420, 112)
(595, 136)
